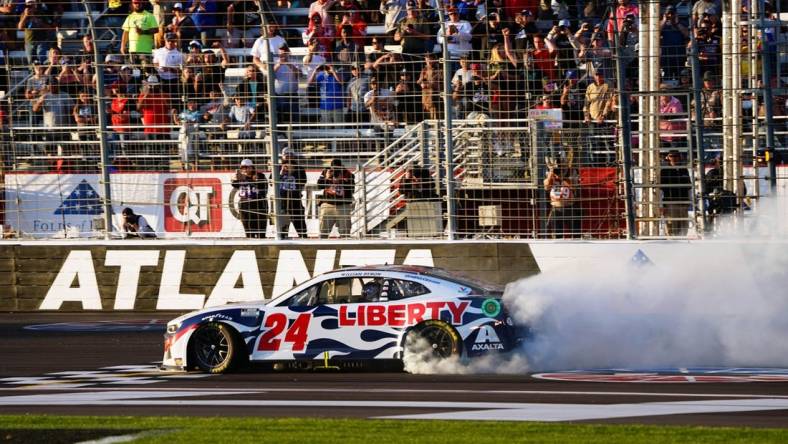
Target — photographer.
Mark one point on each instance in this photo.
(673, 42)
(458, 35)
(337, 184)
(622, 12)
(135, 225)
(564, 218)
(292, 180)
(252, 205)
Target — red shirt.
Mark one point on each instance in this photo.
(155, 111)
(544, 61)
(512, 7)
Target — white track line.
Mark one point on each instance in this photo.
(425, 391)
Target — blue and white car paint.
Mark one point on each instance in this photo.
(331, 315)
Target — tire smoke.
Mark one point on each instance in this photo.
(720, 302)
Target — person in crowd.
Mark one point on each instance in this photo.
(701, 7)
(242, 25)
(709, 50)
(597, 100)
(711, 103)
(675, 182)
(68, 79)
(120, 112)
(323, 34)
(154, 105)
(135, 225)
(417, 185)
(413, 35)
(672, 121)
(478, 94)
(194, 56)
(85, 113)
(138, 31)
(408, 107)
(252, 188)
(618, 16)
(380, 103)
(346, 52)
(215, 112)
(182, 25)
(673, 41)
(205, 15)
(331, 94)
(571, 101)
(356, 88)
(545, 102)
(286, 78)
(84, 60)
(56, 107)
(321, 9)
(275, 42)
(39, 25)
(431, 83)
(211, 69)
(242, 115)
(38, 83)
(544, 58)
(561, 43)
(523, 28)
(337, 184)
(394, 12)
(292, 181)
(597, 57)
(310, 64)
(564, 220)
(190, 83)
(458, 35)
(168, 61)
(251, 88)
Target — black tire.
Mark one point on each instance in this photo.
(444, 340)
(214, 349)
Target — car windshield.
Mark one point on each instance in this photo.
(461, 279)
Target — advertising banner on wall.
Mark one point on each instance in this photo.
(176, 205)
(156, 275)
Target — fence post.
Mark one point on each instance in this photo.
(768, 99)
(102, 121)
(626, 138)
(696, 96)
(272, 124)
(451, 222)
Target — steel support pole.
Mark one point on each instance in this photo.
(449, 142)
(272, 126)
(646, 209)
(102, 131)
(625, 139)
(768, 99)
(697, 86)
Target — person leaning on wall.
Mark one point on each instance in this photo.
(136, 226)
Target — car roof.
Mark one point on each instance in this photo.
(418, 269)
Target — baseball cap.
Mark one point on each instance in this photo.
(195, 43)
(247, 163)
(113, 58)
(286, 152)
(125, 68)
(563, 22)
(153, 80)
(178, 5)
(670, 8)
(707, 76)
(526, 12)
(170, 36)
(30, 2)
(571, 74)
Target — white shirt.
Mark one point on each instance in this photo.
(308, 67)
(459, 43)
(381, 111)
(167, 58)
(286, 80)
(274, 43)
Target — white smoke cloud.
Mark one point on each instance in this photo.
(721, 302)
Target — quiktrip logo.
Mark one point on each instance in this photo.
(82, 200)
(193, 204)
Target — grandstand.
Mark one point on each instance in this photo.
(457, 119)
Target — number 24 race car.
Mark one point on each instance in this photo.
(348, 315)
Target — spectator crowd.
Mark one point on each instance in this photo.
(165, 63)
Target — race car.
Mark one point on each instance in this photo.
(349, 315)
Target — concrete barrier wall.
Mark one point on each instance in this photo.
(161, 275)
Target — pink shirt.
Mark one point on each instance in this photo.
(621, 13)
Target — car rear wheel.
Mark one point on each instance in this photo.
(213, 348)
(435, 339)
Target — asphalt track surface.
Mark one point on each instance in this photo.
(113, 373)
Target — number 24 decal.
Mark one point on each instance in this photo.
(275, 324)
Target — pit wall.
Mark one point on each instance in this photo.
(145, 276)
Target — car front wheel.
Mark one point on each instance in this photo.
(213, 348)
